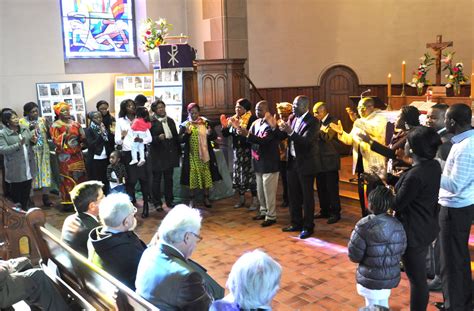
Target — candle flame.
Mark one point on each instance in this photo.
(389, 75)
(403, 62)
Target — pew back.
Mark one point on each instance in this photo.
(96, 286)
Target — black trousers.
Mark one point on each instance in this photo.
(135, 173)
(455, 224)
(167, 175)
(284, 180)
(364, 193)
(301, 193)
(20, 192)
(328, 193)
(97, 170)
(414, 261)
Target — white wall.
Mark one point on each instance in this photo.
(294, 44)
(31, 50)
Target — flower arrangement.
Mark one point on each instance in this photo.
(456, 76)
(154, 33)
(419, 76)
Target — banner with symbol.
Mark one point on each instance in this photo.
(176, 56)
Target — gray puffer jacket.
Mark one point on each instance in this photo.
(377, 244)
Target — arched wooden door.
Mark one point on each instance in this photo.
(336, 85)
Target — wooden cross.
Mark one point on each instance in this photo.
(437, 47)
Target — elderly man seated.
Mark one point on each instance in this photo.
(253, 282)
(165, 275)
(18, 283)
(114, 246)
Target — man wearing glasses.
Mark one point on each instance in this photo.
(114, 246)
(166, 275)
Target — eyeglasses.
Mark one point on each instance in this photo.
(197, 236)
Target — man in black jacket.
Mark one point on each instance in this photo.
(304, 162)
(86, 197)
(327, 181)
(114, 246)
(265, 163)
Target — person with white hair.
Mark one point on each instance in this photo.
(166, 276)
(114, 246)
(253, 282)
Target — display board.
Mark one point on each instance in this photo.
(50, 93)
(169, 88)
(128, 86)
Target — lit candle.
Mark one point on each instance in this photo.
(389, 85)
(404, 67)
(472, 86)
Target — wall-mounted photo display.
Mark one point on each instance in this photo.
(128, 86)
(169, 89)
(72, 93)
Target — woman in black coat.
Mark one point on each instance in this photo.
(416, 205)
(165, 151)
(99, 144)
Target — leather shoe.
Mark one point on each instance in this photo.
(439, 305)
(259, 217)
(319, 216)
(268, 223)
(291, 229)
(305, 234)
(333, 219)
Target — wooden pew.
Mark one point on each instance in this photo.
(97, 288)
(16, 238)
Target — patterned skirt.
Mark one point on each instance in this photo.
(199, 171)
(243, 175)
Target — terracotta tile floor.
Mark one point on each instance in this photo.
(317, 274)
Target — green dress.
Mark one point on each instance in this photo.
(41, 151)
(199, 172)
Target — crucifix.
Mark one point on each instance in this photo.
(437, 47)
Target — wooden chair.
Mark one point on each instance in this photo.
(97, 290)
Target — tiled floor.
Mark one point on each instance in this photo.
(317, 274)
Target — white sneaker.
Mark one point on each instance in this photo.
(133, 162)
(141, 163)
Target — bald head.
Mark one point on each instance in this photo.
(300, 105)
(261, 108)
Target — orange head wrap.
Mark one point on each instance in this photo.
(57, 108)
(284, 108)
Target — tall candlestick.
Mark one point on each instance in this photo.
(389, 85)
(472, 85)
(404, 67)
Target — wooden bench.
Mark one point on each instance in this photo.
(16, 238)
(86, 284)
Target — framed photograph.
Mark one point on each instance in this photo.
(168, 77)
(72, 93)
(128, 86)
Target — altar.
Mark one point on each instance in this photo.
(396, 102)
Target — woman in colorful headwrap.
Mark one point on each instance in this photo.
(243, 175)
(40, 127)
(284, 110)
(199, 169)
(68, 136)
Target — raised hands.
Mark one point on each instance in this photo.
(224, 121)
(337, 127)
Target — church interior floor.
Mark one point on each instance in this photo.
(317, 274)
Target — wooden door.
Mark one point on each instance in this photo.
(336, 85)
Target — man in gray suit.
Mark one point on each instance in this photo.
(166, 275)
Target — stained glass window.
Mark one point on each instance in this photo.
(98, 28)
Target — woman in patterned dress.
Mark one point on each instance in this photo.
(69, 137)
(199, 169)
(243, 175)
(40, 127)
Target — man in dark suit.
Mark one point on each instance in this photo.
(265, 163)
(166, 276)
(327, 181)
(165, 151)
(304, 162)
(86, 197)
